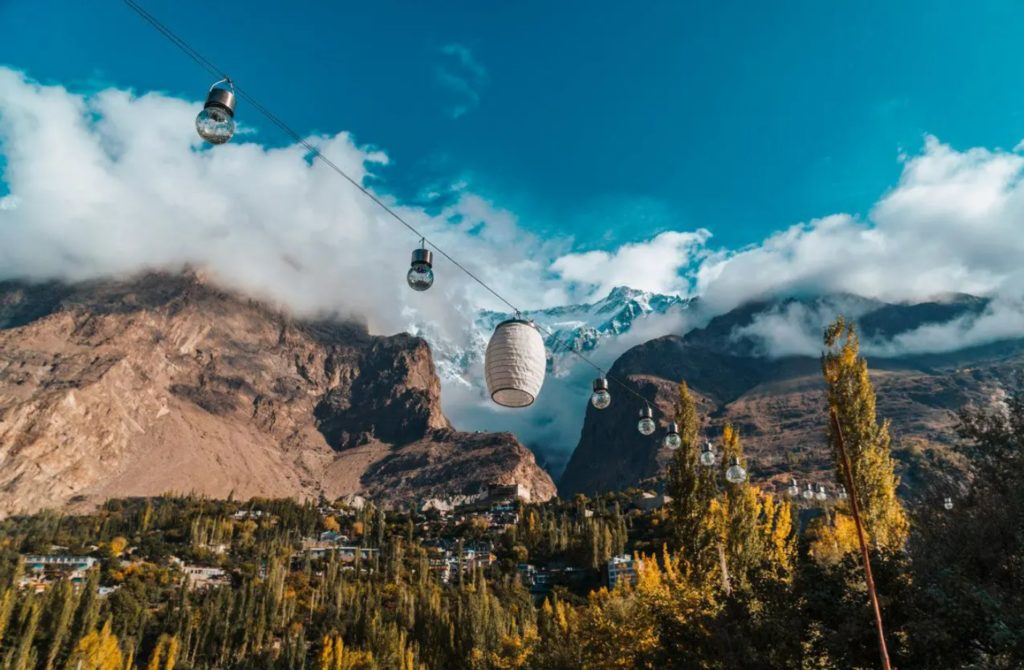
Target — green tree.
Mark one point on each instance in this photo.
(61, 606)
(969, 560)
(852, 397)
(24, 654)
(692, 488)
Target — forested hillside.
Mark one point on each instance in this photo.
(720, 573)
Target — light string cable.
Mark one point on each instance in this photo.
(210, 67)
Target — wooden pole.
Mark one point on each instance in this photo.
(855, 506)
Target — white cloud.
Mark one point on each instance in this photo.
(111, 183)
(464, 75)
(656, 265)
(1003, 319)
(951, 224)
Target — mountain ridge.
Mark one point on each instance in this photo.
(166, 382)
(777, 402)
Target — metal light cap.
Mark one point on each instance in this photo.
(424, 256)
(673, 428)
(222, 98)
(646, 413)
(600, 384)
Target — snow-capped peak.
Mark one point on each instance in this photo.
(567, 328)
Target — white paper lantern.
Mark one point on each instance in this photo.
(515, 363)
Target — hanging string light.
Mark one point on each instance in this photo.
(707, 455)
(421, 274)
(735, 474)
(794, 489)
(948, 503)
(808, 492)
(601, 398)
(216, 123)
(842, 495)
(672, 439)
(822, 493)
(646, 425)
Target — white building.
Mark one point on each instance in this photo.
(622, 567)
(201, 577)
(42, 571)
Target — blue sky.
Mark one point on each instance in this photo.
(601, 120)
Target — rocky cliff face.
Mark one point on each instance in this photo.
(778, 402)
(165, 383)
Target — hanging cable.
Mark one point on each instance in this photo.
(210, 67)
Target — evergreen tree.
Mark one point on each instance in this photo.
(852, 397)
(969, 560)
(24, 654)
(61, 605)
(692, 488)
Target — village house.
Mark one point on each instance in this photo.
(649, 501)
(42, 571)
(203, 577)
(622, 567)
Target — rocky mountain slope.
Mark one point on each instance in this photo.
(165, 383)
(755, 368)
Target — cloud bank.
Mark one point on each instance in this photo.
(112, 182)
(951, 224)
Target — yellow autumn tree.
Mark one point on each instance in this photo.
(118, 545)
(832, 537)
(165, 653)
(754, 533)
(779, 537)
(335, 656)
(514, 650)
(97, 650)
(558, 629)
(692, 488)
(852, 396)
(616, 630)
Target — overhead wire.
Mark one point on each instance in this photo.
(212, 68)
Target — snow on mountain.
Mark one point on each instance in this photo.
(566, 329)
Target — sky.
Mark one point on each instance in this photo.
(604, 121)
(715, 150)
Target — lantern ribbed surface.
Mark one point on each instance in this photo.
(515, 363)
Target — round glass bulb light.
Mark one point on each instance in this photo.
(736, 474)
(808, 492)
(822, 494)
(794, 489)
(707, 456)
(646, 426)
(673, 441)
(420, 277)
(842, 495)
(601, 399)
(948, 503)
(215, 125)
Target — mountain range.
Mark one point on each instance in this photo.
(580, 328)
(758, 367)
(167, 383)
